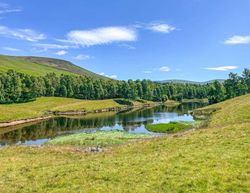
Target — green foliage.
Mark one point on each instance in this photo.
(61, 78)
(235, 86)
(171, 127)
(124, 102)
(18, 87)
(217, 92)
(246, 78)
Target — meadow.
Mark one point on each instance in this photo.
(101, 138)
(213, 159)
(41, 107)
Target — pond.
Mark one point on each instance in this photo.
(133, 121)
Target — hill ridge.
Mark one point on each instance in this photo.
(36, 65)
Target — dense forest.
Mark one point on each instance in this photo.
(18, 87)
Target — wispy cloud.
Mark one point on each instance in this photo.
(82, 57)
(130, 47)
(222, 68)
(61, 52)
(45, 46)
(22, 34)
(11, 49)
(6, 8)
(238, 40)
(160, 27)
(100, 36)
(109, 76)
(164, 69)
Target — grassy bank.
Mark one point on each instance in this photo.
(194, 101)
(135, 103)
(171, 103)
(215, 159)
(41, 107)
(102, 138)
(171, 127)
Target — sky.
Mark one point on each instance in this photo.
(195, 40)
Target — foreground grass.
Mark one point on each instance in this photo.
(212, 160)
(104, 138)
(171, 127)
(12, 112)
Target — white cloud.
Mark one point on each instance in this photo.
(160, 27)
(82, 57)
(164, 69)
(109, 76)
(5, 8)
(222, 68)
(11, 49)
(147, 72)
(238, 40)
(61, 52)
(22, 34)
(100, 36)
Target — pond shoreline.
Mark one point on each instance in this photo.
(52, 114)
(23, 121)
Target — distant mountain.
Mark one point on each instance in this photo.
(190, 82)
(39, 66)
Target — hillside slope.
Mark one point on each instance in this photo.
(215, 159)
(230, 112)
(39, 66)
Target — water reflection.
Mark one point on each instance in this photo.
(132, 121)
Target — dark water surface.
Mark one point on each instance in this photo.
(132, 121)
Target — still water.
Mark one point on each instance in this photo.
(131, 121)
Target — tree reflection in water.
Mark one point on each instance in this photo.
(128, 121)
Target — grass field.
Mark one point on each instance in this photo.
(215, 159)
(101, 138)
(11, 112)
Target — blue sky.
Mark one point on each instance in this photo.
(127, 39)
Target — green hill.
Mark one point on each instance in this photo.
(39, 66)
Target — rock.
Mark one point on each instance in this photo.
(94, 149)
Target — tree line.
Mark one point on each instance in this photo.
(17, 87)
(232, 87)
